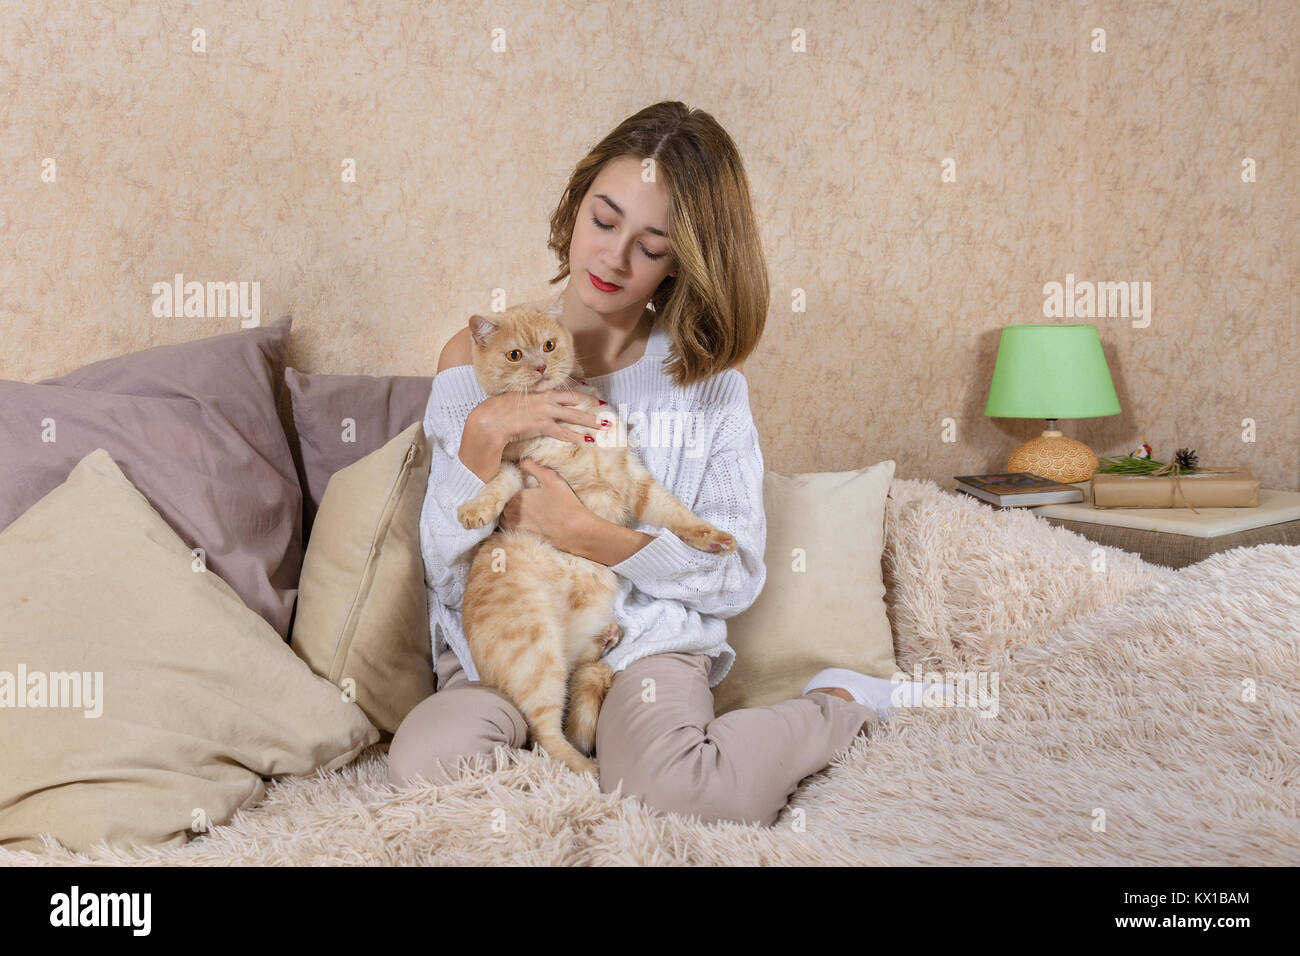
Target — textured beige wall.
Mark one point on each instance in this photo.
(1118, 165)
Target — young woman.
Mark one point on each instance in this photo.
(658, 213)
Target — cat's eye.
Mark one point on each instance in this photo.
(514, 355)
(549, 345)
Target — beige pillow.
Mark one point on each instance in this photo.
(363, 615)
(189, 700)
(823, 602)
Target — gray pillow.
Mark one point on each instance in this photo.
(380, 407)
(195, 428)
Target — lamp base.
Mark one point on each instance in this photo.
(1053, 455)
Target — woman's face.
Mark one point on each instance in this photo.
(619, 237)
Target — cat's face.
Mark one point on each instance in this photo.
(522, 350)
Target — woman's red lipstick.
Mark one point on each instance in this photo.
(603, 287)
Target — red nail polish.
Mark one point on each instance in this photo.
(602, 401)
(588, 438)
(604, 423)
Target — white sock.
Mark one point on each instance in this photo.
(874, 692)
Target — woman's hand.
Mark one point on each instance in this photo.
(551, 509)
(513, 416)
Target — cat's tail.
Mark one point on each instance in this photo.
(588, 687)
(542, 708)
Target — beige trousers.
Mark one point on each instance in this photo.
(657, 735)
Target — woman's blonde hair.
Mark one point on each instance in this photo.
(716, 306)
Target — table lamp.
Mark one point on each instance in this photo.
(1052, 372)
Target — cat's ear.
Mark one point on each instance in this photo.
(481, 329)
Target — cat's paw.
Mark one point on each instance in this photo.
(475, 513)
(710, 539)
(609, 637)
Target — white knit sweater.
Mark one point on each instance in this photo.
(699, 442)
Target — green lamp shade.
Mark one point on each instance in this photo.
(1051, 371)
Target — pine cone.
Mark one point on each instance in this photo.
(1185, 459)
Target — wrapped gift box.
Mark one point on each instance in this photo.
(1206, 487)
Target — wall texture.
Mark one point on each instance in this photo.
(1128, 164)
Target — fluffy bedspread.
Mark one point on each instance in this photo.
(1143, 716)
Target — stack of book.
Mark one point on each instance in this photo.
(1020, 489)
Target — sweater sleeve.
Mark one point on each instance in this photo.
(730, 498)
(445, 544)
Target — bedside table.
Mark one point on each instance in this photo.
(1139, 534)
(1178, 550)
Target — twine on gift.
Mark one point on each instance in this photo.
(1172, 470)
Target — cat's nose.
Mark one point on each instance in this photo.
(541, 368)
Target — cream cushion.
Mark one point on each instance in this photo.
(823, 601)
(198, 697)
(363, 614)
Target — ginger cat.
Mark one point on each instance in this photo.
(538, 619)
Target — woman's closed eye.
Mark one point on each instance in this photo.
(607, 225)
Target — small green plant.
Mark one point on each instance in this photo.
(1184, 460)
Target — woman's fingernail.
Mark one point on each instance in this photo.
(587, 438)
(602, 401)
(604, 423)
